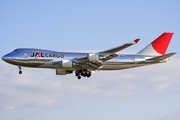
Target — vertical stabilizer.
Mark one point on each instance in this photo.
(158, 46)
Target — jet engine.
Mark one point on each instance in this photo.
(93, 57)
(63, 72)
(66, 63)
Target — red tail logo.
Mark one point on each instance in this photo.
(161, 43)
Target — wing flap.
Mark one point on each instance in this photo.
(94, 66)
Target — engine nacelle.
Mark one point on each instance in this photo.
(63, 72)
(93, 57)
(66, 63)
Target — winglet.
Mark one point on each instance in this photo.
(137, 40)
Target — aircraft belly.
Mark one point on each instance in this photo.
(27, 63)
(56, 67)
(118, 66)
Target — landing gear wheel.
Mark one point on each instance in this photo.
(79, 77)
(20, 72)
(77, 74)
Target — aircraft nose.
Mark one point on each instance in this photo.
(5, 58)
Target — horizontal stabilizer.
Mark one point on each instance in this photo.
(161, 58)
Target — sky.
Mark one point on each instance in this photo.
(151, 92)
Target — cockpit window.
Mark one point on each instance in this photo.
(15, 50)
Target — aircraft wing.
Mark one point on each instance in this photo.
(103, 56)
(109, 54)
(119, 48)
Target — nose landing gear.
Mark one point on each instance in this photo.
(20, 71)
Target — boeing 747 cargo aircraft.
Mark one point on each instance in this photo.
(82, 64)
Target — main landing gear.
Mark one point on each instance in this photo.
(20, 71)
(85, 73)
